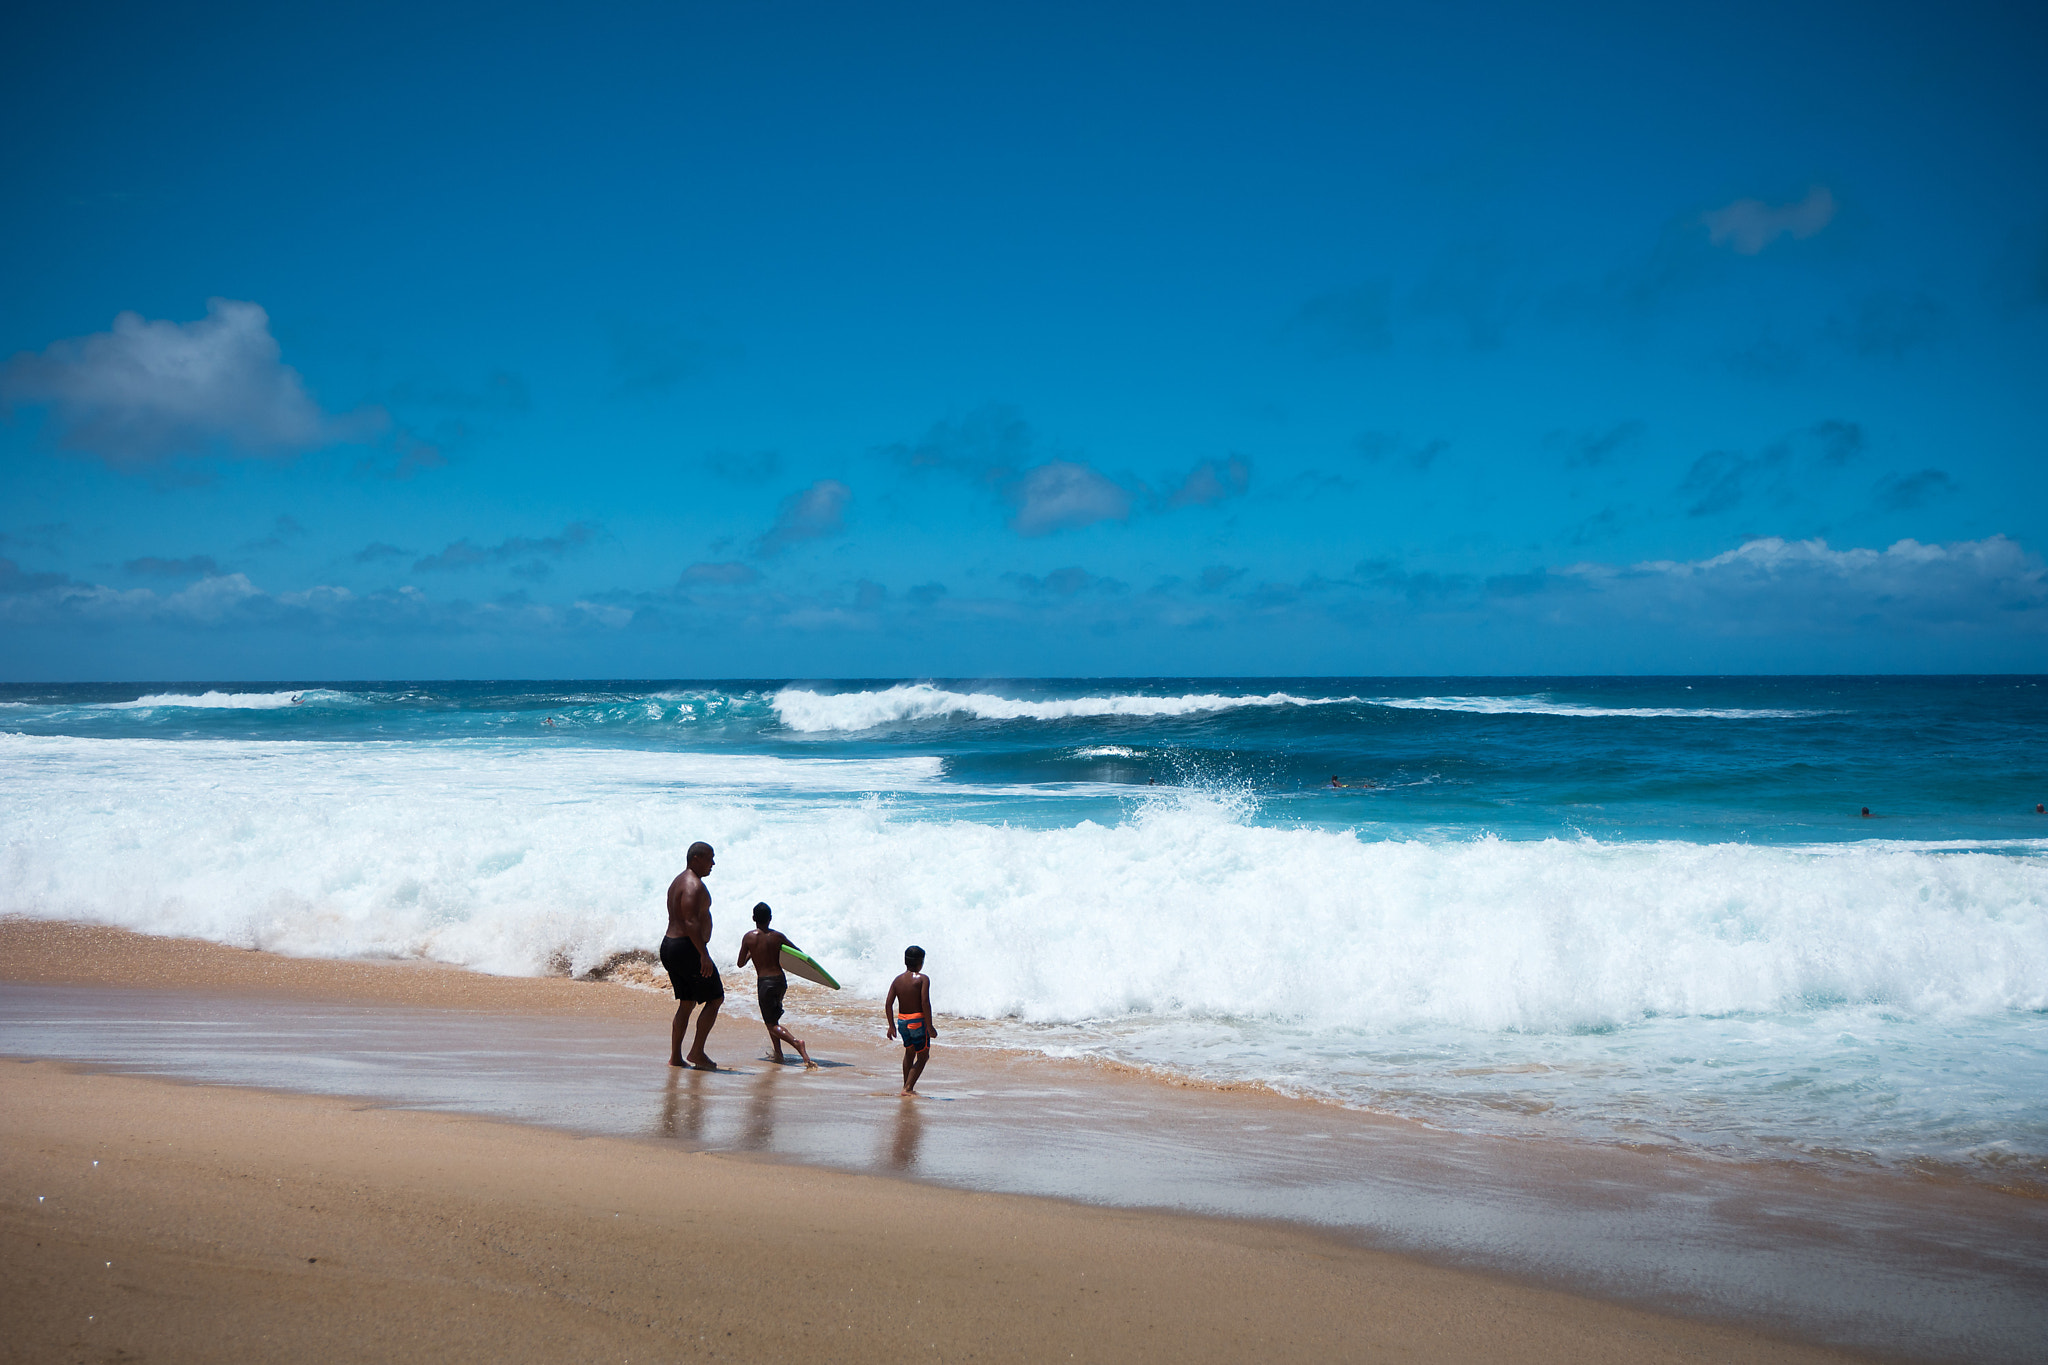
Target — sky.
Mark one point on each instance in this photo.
(920, 340)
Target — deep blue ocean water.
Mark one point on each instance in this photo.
(1615, 909)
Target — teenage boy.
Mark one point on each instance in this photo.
(763, 947)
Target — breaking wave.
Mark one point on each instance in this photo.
(217, 701)
(812, 712)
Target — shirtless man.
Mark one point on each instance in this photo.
(763, 947)
(686, 954)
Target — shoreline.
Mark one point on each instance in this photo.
(1589, 1223)
(64, 952)
(241, 1225)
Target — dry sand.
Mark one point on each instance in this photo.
(250, 1225)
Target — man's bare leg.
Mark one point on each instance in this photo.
(697, 1057)
(675, 1031)
(913, 1067)
(782, 1035)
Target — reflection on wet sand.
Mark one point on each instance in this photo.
(907, 1134)
(759, 1133)
(682, 1106)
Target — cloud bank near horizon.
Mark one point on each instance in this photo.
(1768, 588)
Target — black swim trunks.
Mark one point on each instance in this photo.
(772, 989)
(679, 959)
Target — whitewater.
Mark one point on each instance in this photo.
(1644, 911)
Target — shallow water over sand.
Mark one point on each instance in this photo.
(1867, 1259)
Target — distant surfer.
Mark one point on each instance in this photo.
(914, 989)
(763, 947)
(2041, 808)
(1866, 812)
(1336, 781)
(686, 954)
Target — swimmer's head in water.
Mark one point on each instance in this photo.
(1866, 812)
(762, 914)
(913, 957)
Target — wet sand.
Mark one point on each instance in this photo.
(1323, 1201)
(238, 1225)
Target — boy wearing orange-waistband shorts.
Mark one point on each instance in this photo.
(914, 990)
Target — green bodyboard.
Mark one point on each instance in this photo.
(798, 963)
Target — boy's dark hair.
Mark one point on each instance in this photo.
(761, 912)
(913, 957)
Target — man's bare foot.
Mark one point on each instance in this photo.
(908, 1095)
(677, 1061)
(701, 1062)
(780, 1060)
(804, 1053)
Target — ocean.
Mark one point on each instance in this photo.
(1606, 910)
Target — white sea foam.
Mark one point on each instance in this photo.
(464, 851)
(1107, 751)
(1185, 934)
(1544, 706)
(810, 712)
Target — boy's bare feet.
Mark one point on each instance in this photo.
(702, 1063)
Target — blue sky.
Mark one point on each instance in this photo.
(822, 340)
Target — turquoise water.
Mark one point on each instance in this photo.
(1755, 759)
(1642, 910)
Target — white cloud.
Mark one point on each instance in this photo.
(1750, 225)
(1061, 495)
(1772, 556)
(808, 514)
(1773, 584)
(213, 599)
(465, 554)
(144, 389)
(991, 444)
(1213, 481)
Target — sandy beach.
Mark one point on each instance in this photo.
(225, 1224)
(228, 1223)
